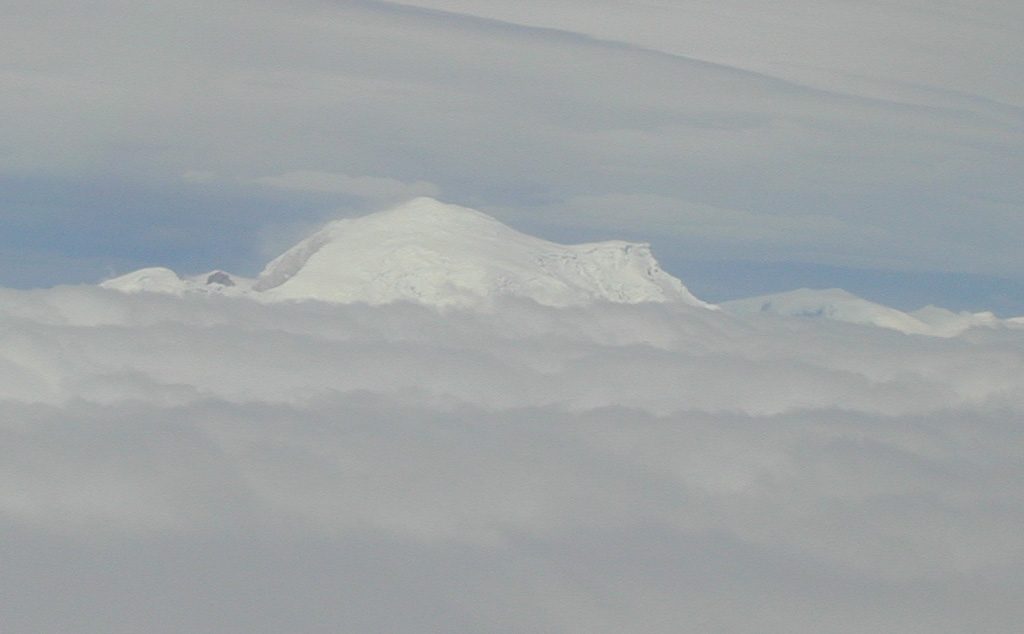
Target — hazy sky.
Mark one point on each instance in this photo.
(826, 138)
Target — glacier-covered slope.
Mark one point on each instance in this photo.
(443, 255)
(437, 254)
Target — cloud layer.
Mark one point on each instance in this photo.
(209, 464)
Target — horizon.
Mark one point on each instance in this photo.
(720, 281)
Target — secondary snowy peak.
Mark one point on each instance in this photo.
(840, 305)
(155, 279)
(446, 255)
(162, 280)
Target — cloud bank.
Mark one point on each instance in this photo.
(211, 464)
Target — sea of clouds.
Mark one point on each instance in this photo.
(207, 464)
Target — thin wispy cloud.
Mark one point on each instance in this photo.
(804, 119)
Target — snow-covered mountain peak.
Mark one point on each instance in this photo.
(832, 303)
(444, 255)
(425, 212)
(840, 305)
(437, 254)
(421, 220)
(155, 279)
(163, 280)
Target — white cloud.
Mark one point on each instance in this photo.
(829, 44)
(695, 226)
(379, 190)
(659, 359)
(386, 468)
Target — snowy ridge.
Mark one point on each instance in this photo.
(443, 255)
(437, 254)
(840, 305)
(158, 279)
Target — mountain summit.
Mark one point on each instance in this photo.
(439, 254)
